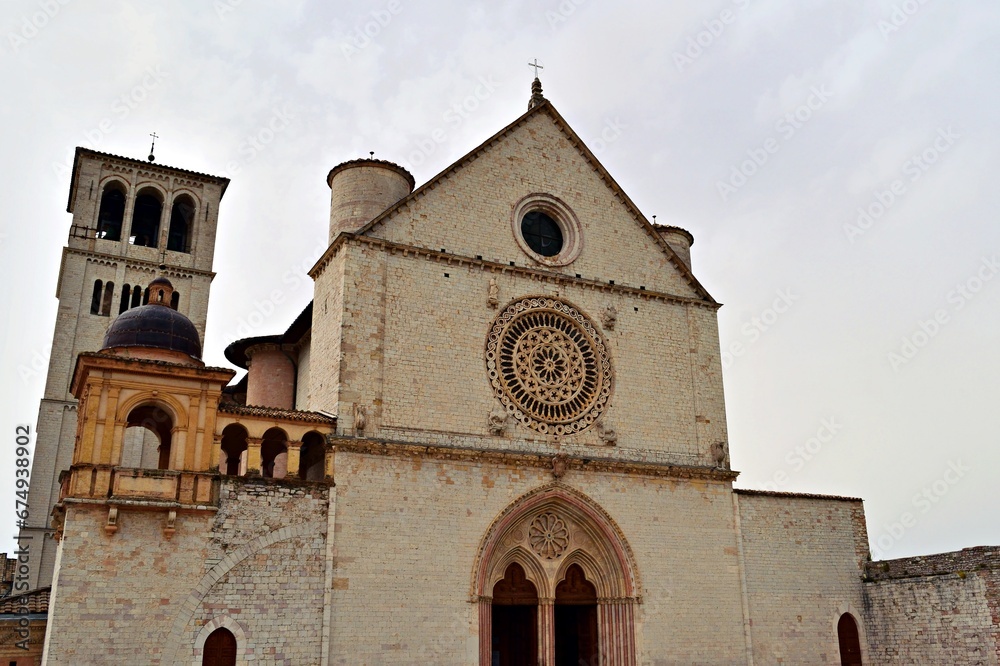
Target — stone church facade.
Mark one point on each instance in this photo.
(497, 435)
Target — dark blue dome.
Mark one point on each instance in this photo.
(156, 326)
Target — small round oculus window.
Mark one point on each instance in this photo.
(542, 233)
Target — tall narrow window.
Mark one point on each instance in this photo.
(175, 299)
(146, 219)
(145, 296)
(109, 295)
(181, 222)
(515, 619)
(136, 296)
(111, 212)
(220, 648)
(126, 293)
(850, 642)
(95, 300)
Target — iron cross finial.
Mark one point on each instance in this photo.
(536, 66)
(152, 146)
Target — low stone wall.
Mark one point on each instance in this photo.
(935, 609)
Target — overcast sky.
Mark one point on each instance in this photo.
(832, 161)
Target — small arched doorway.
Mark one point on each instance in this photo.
(850, 641)
(576, 619)
(220, 649)
(515, 619)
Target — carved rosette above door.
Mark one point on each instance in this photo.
(549, 366)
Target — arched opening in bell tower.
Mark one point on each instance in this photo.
(146, 219)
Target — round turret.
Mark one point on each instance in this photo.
(679, 240)
(157, 327)
(362, 189)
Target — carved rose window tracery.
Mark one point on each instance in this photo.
(548, 366)
(548, 536)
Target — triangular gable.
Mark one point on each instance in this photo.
(439, 181)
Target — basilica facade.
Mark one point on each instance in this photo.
(496, 436)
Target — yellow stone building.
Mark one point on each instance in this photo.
(497, 436)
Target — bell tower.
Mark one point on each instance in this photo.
(132, 221)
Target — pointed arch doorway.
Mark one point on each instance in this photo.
(515, 619)
(556, 584)
(576, 639)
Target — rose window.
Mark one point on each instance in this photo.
(548, 366)
(548, 536)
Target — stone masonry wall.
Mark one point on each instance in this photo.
(804, 559)
(257, 566)
(936, 609)
(409, 530)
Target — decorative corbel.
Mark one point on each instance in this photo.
(171, 526)
(112, 525)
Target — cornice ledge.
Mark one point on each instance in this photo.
(496, 267)
(381, 447)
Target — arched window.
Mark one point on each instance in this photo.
(109, 295)
(157, 421)
(175, 299)
(126, 293)
(515, 619)
(111, 212)
(576, 619)
(220, 648)
(312, 457)
(850, 641)
(234, 446)
(136, 296)
(274, 454)
(146, 219)
(145, 296)
(95, 300)
(181, 223)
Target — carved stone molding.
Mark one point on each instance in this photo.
(607, 434)
(609, 317)
(498, 419)
(536, 460)
(493, 298)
